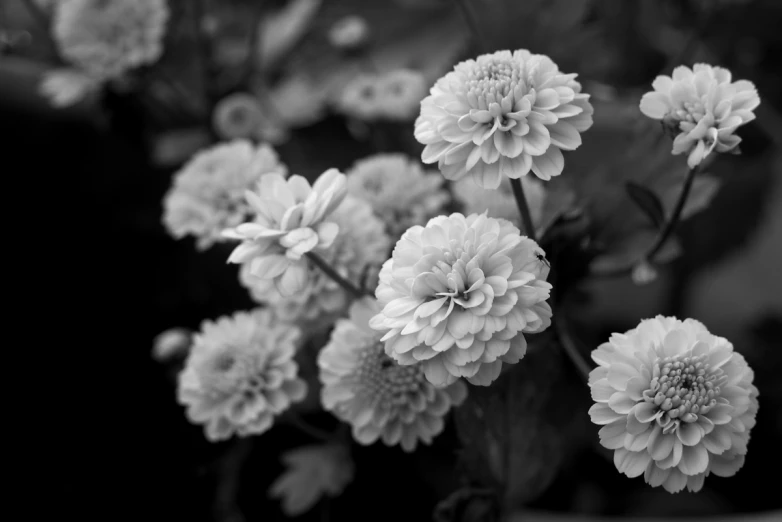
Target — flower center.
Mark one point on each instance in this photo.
(381, 379)
(491, 82)
(683, 388)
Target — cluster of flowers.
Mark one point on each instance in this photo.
(457, 294)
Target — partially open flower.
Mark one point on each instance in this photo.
(676, 403)
(172, 343)
(503, 114)
(457, 295)
(237, 116)
(240, 373)
(360, 245)
(208, 193)
(290, 221)
(359, 98)
(378, 397)
(66, 87)
(106, 39)
(702, 108)
(398, 190)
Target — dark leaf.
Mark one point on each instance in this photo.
(648, 202)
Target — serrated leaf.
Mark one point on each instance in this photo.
(647, 201)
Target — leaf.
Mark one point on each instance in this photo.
(280, 31)
(703, 190)
(177, 146)
(514, 433)
(625, 254)
(648, 202)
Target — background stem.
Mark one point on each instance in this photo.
(333, 274)
(521, 203)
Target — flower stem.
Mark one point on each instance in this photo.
(570, 347)
(305, 427)
(472, 23)
(333, 274)
(521, 203)
(677, 212)
(253, 58)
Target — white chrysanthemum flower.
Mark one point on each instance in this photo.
(676, 403)
(290, 221)
(237, 116)
(240, 373)
(503, 114)
(313, 471)
(457, 295)
(400, 93)
(172, 343)
(359, 98)
(398, 190)
(378, 397)
(349, 32)
(702, 107)
(500, 203)
(208, 193)
(106, 39)
(66, 87)
(360, 245)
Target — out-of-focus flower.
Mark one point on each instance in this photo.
(676, 403)
(290, 221)
(106, 39)
(702, 108)
(208, 193)
(500, 203)
(313, 471)
(398, 190)
(66, 87)
(503, 114)
(237, 116)
(457, 295)
(395, 95)
(380, 398)
(349, 32)
(240, 373)
(360, 245)
(174, 342)
(359, 98)
(400, 94)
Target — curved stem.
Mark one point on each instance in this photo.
(521, 203)
(472, 23)
(312, 431)
(333, 274)
(570, 347)
(677, 212)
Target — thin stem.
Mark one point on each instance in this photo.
(204, 57)
(333, 274)
(569, 345)
(521, 203)
(677, 212)
(472, 23)
(253, 58)
(307, 428)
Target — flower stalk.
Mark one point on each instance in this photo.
(571, 350)
(333, 274)
(521, 203)
(670, 226)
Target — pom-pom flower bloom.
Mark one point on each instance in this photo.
(360, 245)
(398, 190)
(378, 397)
(676, 403)
(208, 193)
(457, 295)
(290, 221)
(106, 39)
(502, 114)
(313, 471)
(395, 95)
(702, 107)
(240, 373)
